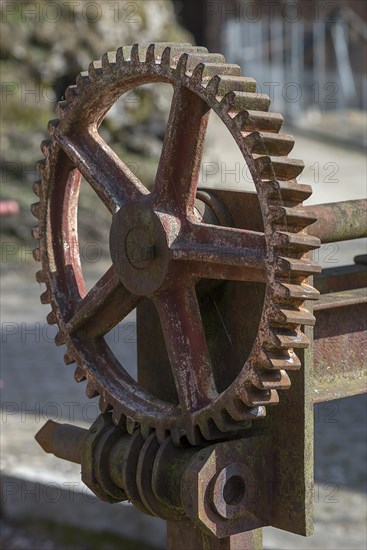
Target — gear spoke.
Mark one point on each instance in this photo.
(187, 348)
(111, 179)
(105, 305)
(179, 165)
(201, 270)
(223, 252)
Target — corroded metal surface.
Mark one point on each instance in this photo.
(224, 488)
(340, 345)
(184, 535)
(339, 221)
(337, 279)
(160, 249)
(62, 440)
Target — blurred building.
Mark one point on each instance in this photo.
(308, 55)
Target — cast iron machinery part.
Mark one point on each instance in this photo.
(160, 250)
(215, 485)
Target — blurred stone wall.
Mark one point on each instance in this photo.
(44, 45)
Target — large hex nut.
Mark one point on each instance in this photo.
(219, 493)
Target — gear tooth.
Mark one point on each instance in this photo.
(41, 166)
(272, 144)
(161, 433)
(104, 404)
(241, 101)
(229, 83)
(212, 69)
(40, 276)
(226, 101)
(242, 120)
(292, 316)
(272, 380)
(282, 168)
(91, 390)
(37, 254)
(105, 61)
(301, 291)
(45, 146)
(120, 59)
(251, 139)
(282, 359)
(37, 188)
(150, 55)
(197, 58)
(108, 60)
(36, 209)
(61, 109)
(291, 191)
(131, 425)
(195, 55)
(202, 432)
(285, 339)
(181, 66)
(134, 54)
(79, 374)
(60, 338)
(225, 423)
(166, 58)
(263, 165)
(290, 216)
(69, 358)
(52, 126)
(145, 430)
(175, 49)
(51, 318)
(117, 417)
(298, 241)
(46, 297)
(36, 232)
(260, 121)
(194, 433)
(82, 80)
(197, 74)
(176, 434)
(70, 93)
(238, 410)
(186, 46)
(296, 267)
(95, 69)
(213, 84)
(254, 397)
(258, 412)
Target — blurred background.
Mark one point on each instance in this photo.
(310, 57)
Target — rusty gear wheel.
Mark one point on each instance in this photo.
(159, 249)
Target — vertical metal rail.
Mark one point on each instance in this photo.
(185, 535)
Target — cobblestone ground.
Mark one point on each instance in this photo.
(37, 385)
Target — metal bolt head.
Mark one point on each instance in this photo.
(139, 246)
(219, 493)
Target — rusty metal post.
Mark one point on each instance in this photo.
(152, 369)
(339, 221)
(62, 440)
(185, 535)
